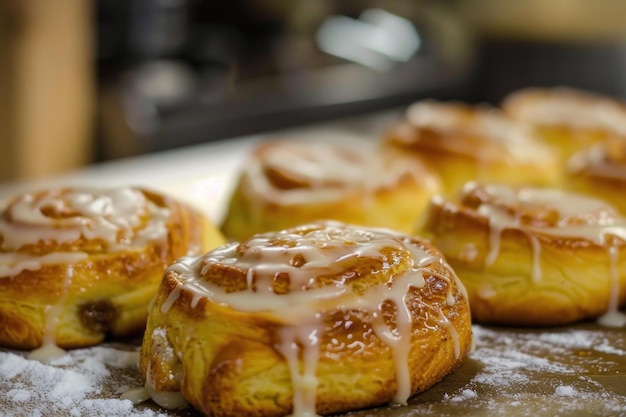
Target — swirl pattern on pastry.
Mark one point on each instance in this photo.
(568, 119)
(288, 183)
(533, 256)
(464, 143)
(79, 263)
(568, 108)
(322, 318)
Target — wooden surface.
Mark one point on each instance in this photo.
(575, 370)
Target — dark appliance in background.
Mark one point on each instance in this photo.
(577, 43)
(173, 73)
(180, 72)
(509, 64)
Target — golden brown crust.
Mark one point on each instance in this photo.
(90, 288)
(600, 170)
(464, 143)
(568, 119)
(524, 262)
(231, 360)
(566, 108)
(288, 183)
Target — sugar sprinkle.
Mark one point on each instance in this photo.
(71, 385)
(523, 373)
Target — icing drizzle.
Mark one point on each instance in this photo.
(482, 132)
(299, 173)
(62, 226)
(567, 107)
(602, 161)
(119, 218)
(305, 255)
(551, 212)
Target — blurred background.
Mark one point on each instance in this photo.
(83, 81)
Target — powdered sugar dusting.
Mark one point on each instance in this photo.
(545, 372)
(85, 382)
(576, 370)
(565, 391)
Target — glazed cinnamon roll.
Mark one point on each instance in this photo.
(78, 264)
(463, 142)
(322, 318)
(288, 183)
(600, 171)
(533, 256)
(569, 120)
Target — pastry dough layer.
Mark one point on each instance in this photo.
(600, 171)
(78, 264)
(288, 183)
(531, 256)
(567, 119)
(322, 318)
(463, 143)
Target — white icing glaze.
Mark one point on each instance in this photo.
(452, 333)
(397, 338)
(567, 107)
(166, 399)
(294, 339)
(162, 349)
(499, 137)
(116, 216)
(136, 395)
(120, 217)
(49, 350)
(486, 291)
(578, 217)
(328, 172)
(46, 352)
(596, 162)
(321, 252)
(613, 317)
(13, 263)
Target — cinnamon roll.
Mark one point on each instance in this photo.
(600, 171)
(568, 119)
(77, 264)
(288, 183)
(533, 256)
(463, 142)
(321, 318)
